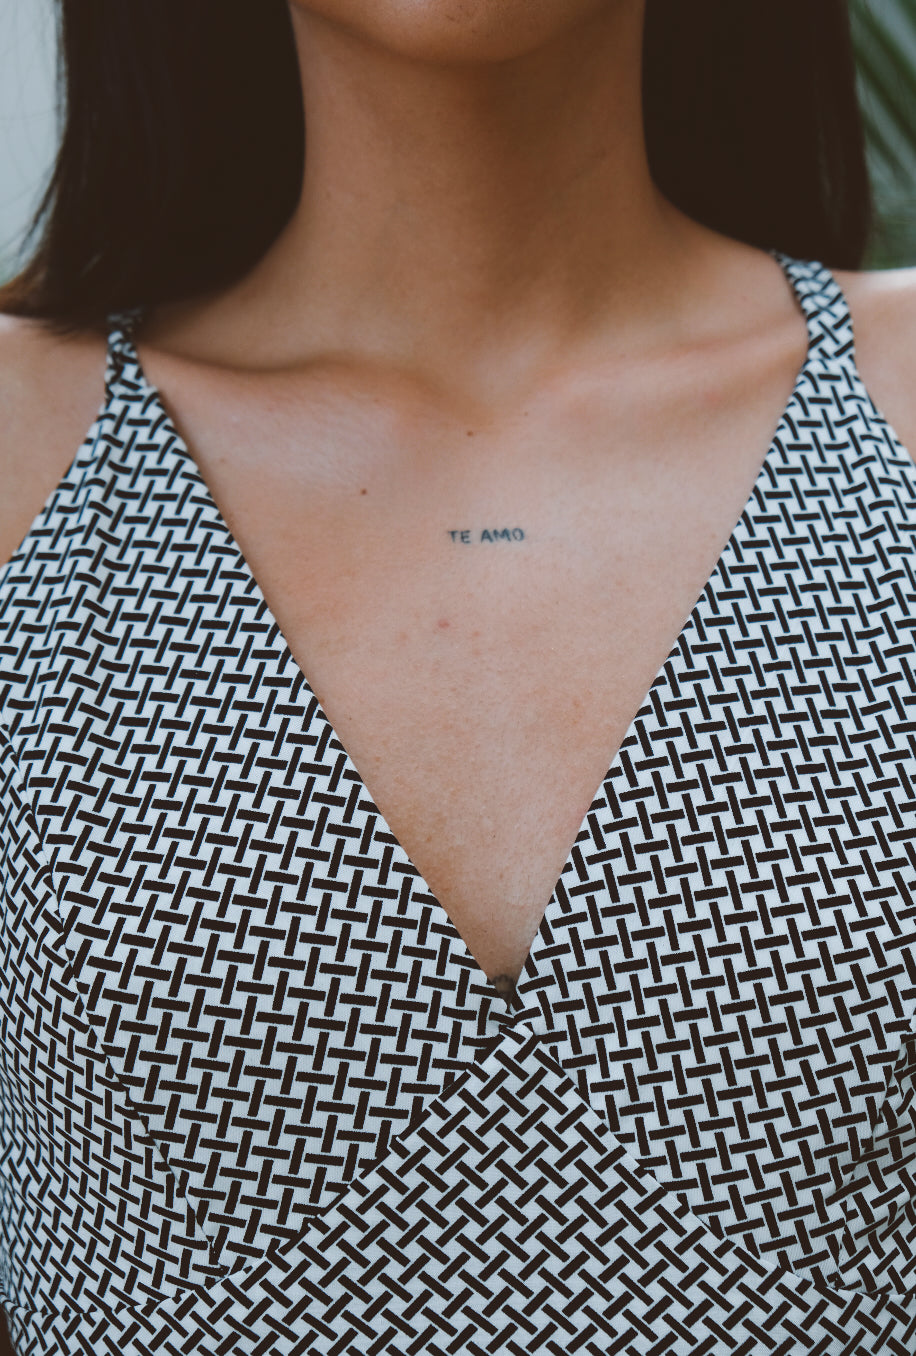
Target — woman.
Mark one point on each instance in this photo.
(341, 1012)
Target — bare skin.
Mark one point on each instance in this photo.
(482, 318)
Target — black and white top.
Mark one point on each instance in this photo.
(257, 1098)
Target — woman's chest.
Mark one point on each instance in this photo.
(482, 618)
(725, 967)
(206, 887)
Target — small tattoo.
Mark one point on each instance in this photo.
(503, 984)
(470, 537)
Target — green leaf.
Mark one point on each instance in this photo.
(884, 35)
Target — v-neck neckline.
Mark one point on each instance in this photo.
(122, 354)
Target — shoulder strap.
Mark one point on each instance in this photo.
(825, 308)
(121, 352)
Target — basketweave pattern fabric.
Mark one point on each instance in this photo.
(255, 1094)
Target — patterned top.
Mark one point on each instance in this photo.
(256, 1096)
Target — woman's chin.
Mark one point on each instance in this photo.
(459, 31)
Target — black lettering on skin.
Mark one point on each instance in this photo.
(490, 534)
(502, 534)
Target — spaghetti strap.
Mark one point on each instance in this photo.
(121, 327)
(825, 308)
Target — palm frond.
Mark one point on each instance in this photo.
(884, 34)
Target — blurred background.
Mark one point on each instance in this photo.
(884, 34)
(27, 116)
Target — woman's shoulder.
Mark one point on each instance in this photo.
(51, 388)
(882, 303)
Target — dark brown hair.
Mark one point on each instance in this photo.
(183, 146)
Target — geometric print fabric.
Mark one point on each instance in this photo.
(255, 1094)
(511, 1221)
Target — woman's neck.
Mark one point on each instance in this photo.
(470, 215)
